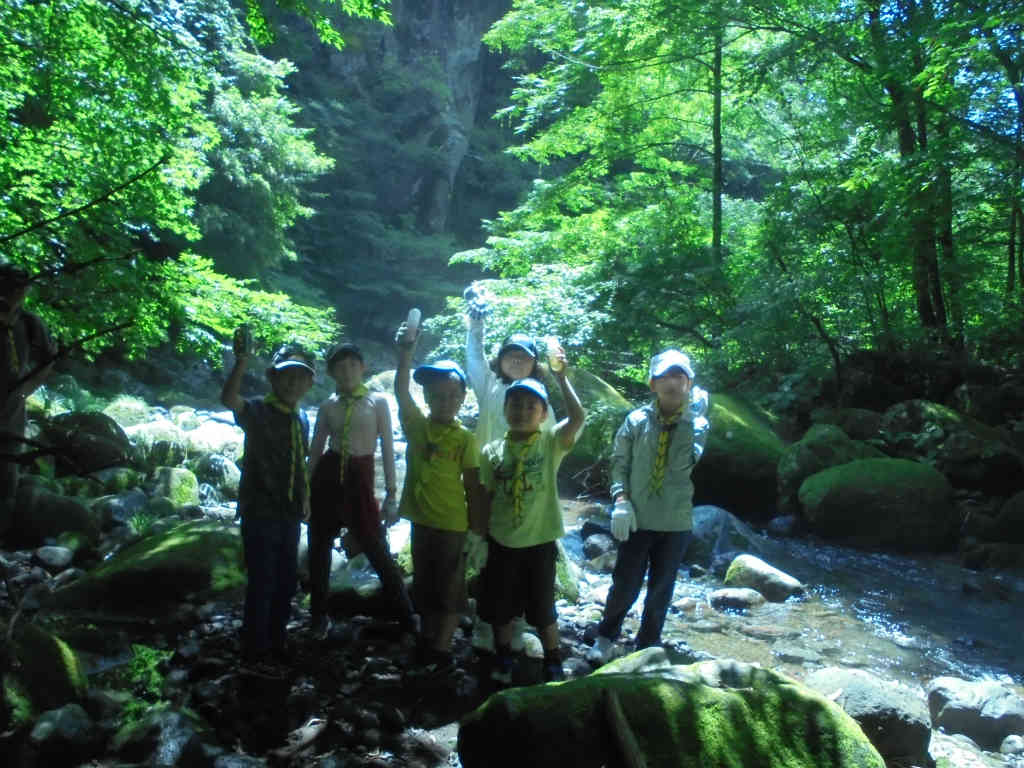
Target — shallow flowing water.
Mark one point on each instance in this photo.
(903, 618)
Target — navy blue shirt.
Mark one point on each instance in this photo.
(269, 464)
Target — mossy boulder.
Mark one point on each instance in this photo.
(606, 410)
(721, 713)
(887, 503)
(86, 441)
(40, 514)
(196, 559)
(738, 470)
(178, 484)
(857, 423)
(128, 411)
(158, 443)
(969, 453)
(823, 446)
(47, 674)
(118, 479)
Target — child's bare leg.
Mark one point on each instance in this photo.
(503, 635)
(549, 638)
(445, 625)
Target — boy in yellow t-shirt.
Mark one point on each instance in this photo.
(441, 495)
(525, 522)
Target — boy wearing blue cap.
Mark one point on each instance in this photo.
(273, 494)
(525, 522)
(441, 495)
(653, 455)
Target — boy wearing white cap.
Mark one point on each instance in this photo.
(273, 493)
(654, 453)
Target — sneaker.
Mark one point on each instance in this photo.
(601, 651)
(501, 672)
(321, 627)
(553, 672)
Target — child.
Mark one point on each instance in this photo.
(441, 495)
(654, 453)
(517, 359)
(525, 521)
(342, 485)
(273, 494)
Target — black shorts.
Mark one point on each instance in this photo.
(521, 580)
(438, 570)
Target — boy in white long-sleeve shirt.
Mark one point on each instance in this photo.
(654, 453)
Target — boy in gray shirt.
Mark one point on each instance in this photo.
(654, 453)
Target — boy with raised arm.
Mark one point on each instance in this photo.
(273, 494)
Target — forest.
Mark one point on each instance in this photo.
(819, 201)
(772, 185)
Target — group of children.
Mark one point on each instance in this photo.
(488, 498)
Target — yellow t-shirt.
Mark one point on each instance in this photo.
(537, 517)
(437, 455)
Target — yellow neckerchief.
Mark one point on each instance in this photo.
(518, 449)
(348, 401)
(428, 471)
(666, 425)
(297, 451)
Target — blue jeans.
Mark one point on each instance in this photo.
(658, 554)
(272, 562)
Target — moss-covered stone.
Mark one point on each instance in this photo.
(47, 673)
(118, 479)
(823, 446)
(40, 514)
(178, 484)
(753, 572)
(719, 713)
(128, 411)
(204, 557)
(889, 503)
(739, 465)
(567, 577)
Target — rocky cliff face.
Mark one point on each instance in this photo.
(406, 112)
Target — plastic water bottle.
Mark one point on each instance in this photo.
(412, 324)
(553, 347)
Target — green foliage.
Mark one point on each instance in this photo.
(144, 671)
(175, 134)
(263, 31)
(142, 521)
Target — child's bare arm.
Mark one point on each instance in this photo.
(570, 426)
(479, 501)
(387, 444)
(230, 394)
(319, 441)
(404, 350)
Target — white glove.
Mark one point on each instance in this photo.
(476, 551)
(390, 510)
(623, 519)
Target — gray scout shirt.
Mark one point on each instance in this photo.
(633, 456)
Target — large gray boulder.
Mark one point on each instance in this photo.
(823, 446)
(895, 718)
(885, 503)
(986, 711)
(40, 514)
(718, 535)
(738, 469)
(753, 572)
(86, 441)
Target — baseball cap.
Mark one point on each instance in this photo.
(441, 368)
(530, 385)
(523, 341)
(343, 349)
(293, 356)
(670, 358)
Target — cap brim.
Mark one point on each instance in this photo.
(294, 364)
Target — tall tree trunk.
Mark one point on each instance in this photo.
(716, 138)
